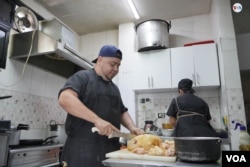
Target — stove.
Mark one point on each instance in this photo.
(38, 155)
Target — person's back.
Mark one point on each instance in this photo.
(193, 103)
(189, 113)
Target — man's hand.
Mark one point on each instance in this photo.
(136, 131)
(105, 127)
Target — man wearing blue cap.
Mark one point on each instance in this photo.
(91, 99)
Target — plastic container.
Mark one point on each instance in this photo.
(147, 126)
(244, 139)
(167, 126)
(167, 132)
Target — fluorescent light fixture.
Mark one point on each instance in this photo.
(132, 7)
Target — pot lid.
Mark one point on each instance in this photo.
(25, 20)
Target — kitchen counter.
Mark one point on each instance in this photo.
(142, 163)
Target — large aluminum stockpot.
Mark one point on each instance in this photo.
(153, 34)
(198, 149)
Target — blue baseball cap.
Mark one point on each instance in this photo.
(109, 51)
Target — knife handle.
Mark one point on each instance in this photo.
(95, 129)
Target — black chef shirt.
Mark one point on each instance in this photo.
(189, 102)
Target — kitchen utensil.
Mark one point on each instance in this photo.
(31, 142)
(35, 142)
(167, 132)
(198, 149)
(147, 126)
(5, 125)
(121, 134)
(53, 125)
(5, 97)
(62, 136)
(123, 141)
(116, 134)
(153, 34)
(55, 129)
(167, 126)
(16, 133)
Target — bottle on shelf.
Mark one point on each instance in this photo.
(244, 139)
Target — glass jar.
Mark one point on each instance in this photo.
(147, 126)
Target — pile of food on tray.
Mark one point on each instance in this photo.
(151, 145)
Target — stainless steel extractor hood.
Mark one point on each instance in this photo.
(46, 49)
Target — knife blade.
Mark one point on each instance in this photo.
(121, 134)
(116, 134)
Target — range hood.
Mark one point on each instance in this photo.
(46, 48)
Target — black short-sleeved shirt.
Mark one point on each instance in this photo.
(91, 90)
(84, 148)
(189, 102)
(88, 84)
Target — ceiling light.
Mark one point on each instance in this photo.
(132, 7)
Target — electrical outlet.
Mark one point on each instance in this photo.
(161, 115)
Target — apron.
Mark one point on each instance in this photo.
(192, 124)
(84, 148)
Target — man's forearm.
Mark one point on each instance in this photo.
(127, 121)
(69, 101)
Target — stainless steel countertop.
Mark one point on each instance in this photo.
(33, 148)
(141, 163)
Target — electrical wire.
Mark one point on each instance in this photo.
(25, 64)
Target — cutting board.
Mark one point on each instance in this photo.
(125, 154)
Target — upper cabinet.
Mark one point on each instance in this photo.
(163, 69)
(151, 70)
(197, 62)
(182, 65)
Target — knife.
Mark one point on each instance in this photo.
(116, 134)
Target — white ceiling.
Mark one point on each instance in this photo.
(89, 16)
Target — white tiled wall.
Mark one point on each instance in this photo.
(34, 97)
(30, 109)
(159, 102)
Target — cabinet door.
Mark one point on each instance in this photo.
(152, 70)
(206, 65)
(161, 69)
(182, 65)
(141, 71)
